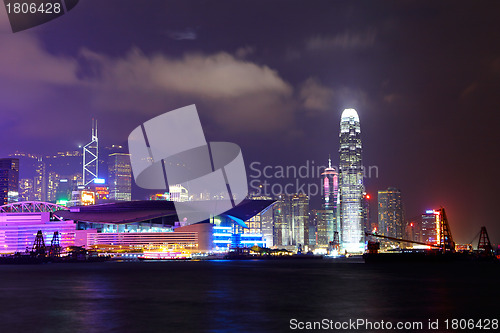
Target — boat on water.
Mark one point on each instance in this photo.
(162, 257)
(174, 253)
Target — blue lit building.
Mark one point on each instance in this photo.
(228, 234)
(221, 237)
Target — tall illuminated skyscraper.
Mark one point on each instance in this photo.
(91, 157)
(300, 219)
(330, 199)
(52, 184)
(281, 220)
(351, 187)
(291, 220)
(431, 227)
(390, 213)
(120, 177)
(40, 182)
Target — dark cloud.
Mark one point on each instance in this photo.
(244, 52)
(187, 34)
(344, 40)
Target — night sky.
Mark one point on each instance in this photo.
(274, 77)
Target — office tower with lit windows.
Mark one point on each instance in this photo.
(262, 223)
(413, 229)
(390, 213)
(431, 227)
(267, 225)
(40, 182)
(281, 221)
(351, 187)
(26, 189)
(300, 219)
(369, 223)
(291, 220)
(9, 180)
(330, 200)
(318, 228)
(119, 177)
(52, 185)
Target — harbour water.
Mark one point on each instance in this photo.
(239, 296)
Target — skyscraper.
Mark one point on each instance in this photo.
(367, 220)
(318, 228)
(52, 184)
(351, 183)
(40, 181)
(330, 200)
(431, 226)
(281, 219)
(120, 177)
(9, 180)
(91, 157)
(26, 189)
(291, 220)
(390, 213)
(266, 220)
(300, 219)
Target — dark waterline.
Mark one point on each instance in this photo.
(238, 296)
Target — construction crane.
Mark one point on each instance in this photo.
(55, 245)
(446, 239)
(484, 244)
(39, 249)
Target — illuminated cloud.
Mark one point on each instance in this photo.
(315, 96)
(240, 94)
(214, 76)
(22, 58)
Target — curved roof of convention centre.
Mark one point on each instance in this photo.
(138, 211)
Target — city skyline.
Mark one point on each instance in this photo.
(423, 111)
(43, 191)
(295, 225)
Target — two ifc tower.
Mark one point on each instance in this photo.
(343, 193)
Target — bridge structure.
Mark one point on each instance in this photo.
(31, 207)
